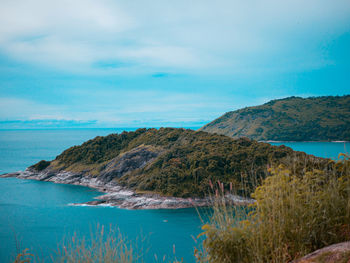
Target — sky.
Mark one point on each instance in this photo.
(143, 63)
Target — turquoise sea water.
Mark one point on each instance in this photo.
(321, 149)
(37, 215)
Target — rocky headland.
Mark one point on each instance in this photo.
(168, 168)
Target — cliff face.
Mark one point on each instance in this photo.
(128, 162)
(99, 175)
(290, 119)
(170, 162)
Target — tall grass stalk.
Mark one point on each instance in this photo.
(102, 247)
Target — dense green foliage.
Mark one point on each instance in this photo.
(40, 165)
(99, 149)
(197, 157)
(290, 119)
(186, 160)
(292, 216)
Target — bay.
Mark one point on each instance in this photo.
(38, 216)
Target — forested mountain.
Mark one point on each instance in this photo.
(290, 119)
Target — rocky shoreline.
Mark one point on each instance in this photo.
(115, 195)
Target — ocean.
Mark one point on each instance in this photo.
(36, 215)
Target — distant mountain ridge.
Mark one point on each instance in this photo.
(290, 119)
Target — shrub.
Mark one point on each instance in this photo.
(40, 165)
(292, 216)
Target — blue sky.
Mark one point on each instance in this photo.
(89, 63)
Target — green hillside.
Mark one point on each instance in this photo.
(176, 162)
(289, 119)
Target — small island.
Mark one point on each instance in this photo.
(167, 167)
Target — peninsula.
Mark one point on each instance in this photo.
(167, 167)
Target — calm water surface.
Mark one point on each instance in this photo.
(37, 214)
(321, 149)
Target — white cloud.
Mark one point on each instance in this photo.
(182, 36)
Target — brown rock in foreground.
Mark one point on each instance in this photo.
(337, 253)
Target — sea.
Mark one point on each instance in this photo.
(37, 215)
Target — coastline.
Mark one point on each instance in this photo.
(113, 195)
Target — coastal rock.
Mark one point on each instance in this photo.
(332, 254)
(115, 195)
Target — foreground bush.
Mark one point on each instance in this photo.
(292, 216)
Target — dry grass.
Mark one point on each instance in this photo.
(24, 257)
(102, 247)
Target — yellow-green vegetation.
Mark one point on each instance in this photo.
(293, 215)
(290, 119)
(181, 162)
